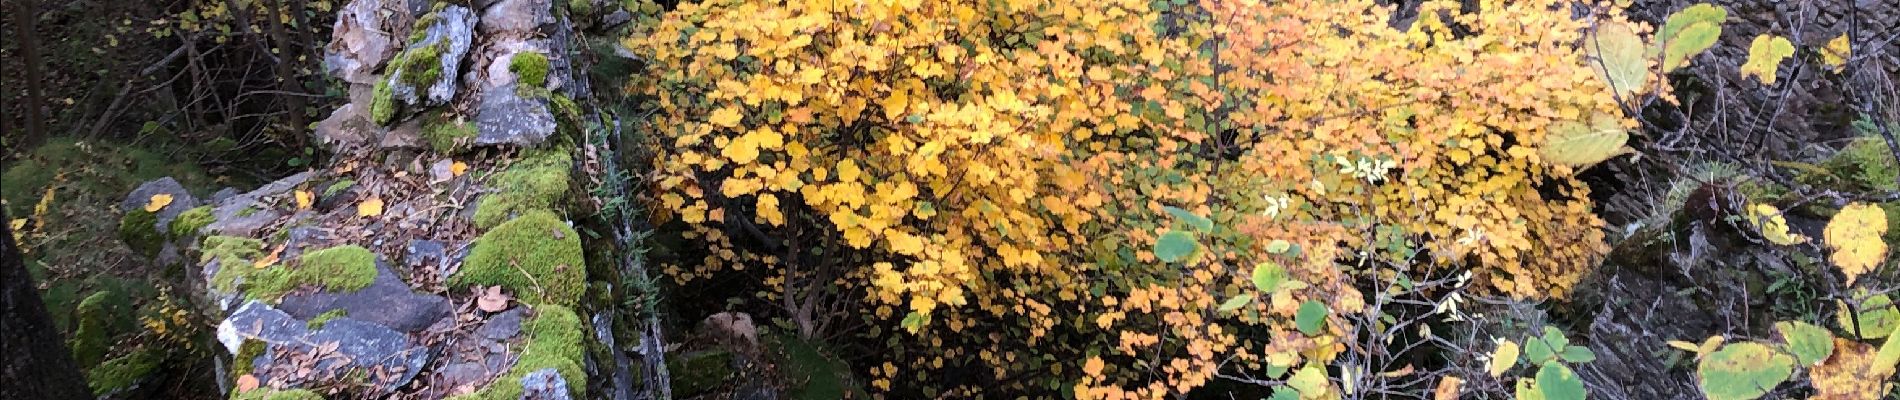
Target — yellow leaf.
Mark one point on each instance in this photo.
(1849, 374)
(726, 116)
(159, 201)
(1578, 144)
(370, 208)
(1773, 227)
(1503, 358)
(1093, 367)
(1854, 234)
(1620, 62)
(1764, 57)
(458, 168)
(1837, 52)
(269, 259)
(894, 105)
(304, 199)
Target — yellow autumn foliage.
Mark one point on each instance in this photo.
(992, 175)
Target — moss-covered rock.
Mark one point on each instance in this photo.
(536, 255)
(700, 373)
(555, 339)
(242, 363)
(346, 268)
(317, 322)
(273, 394)
(530, 68)
(189, 222)
(536, 182)
(101, 316)
(123, 372)
(139, 230)
(447, 134)
(234, 255)
(382, 104)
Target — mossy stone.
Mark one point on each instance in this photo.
(273, 394)
(123, 372)
(530, 68)
(101, 316)
(139, 231)
(537, 182)
(346, 268)
(447, 134)
(700, 373)
(555, 339)
(536, 255)
(189, 222)
(234, 255)
(382, 105)
(318, 321)
(242, 362)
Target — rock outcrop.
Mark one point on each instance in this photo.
(411, 266)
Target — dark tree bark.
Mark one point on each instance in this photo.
(287, 73)
(38, 365)
(24, 12)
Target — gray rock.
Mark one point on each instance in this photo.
(448, 34)
(387, 301)
(222, 194)
(502, 326)
(348, 126)
(358, 345)
(505, 117)
(181, 200)
(407, 135)
(360, 42)
(432, 255)
(517, 17)
(502, 53)
(243, 215)
(451, 376)
(544, 384)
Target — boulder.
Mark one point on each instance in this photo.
(423, 74)
(506, 117)
(387, 302)
(181, 200)
(295, 354)
(516, 17)
(544, 384)
(360, 42)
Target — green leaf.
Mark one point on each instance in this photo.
(1687, 33)
(1742, 371)
(1578, 354)
(1310, 381)
(1310, 318)
(1236, 302)
(1808, 343)
(1175, 246)
(1575, 143)
(1620, 59)
(1277, 246)
(1537, 350)
(1196, 221)
(914, 321)
(1764, 57)
(1557, 382)
(1876, 319)
(1268, 276)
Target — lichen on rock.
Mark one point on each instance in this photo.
(535, 255)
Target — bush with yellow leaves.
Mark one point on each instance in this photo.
(1123, 198)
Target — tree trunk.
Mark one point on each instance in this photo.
(287, 74)
(24, 12)
(38, 365)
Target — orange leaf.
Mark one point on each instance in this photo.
(158, 202)
(370, 208)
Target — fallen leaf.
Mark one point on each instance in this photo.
(304, 199)
(370, 208)
(269, 259)
(247, 383)
(158, 202)
(458, 168)
(492, 299)
(1447, 388)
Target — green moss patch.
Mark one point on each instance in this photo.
(700, 373)
(338, 187)
(382, 104)
(123, 372)
(234, 255)
(101, 316)
(555, 339)
(346, 268)
(537, 182)
(534, 255)
(272, 394)
(241, 363)
(446, 133)
(139, 230)
(530, 68)
(318, 321)
(189, 222)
